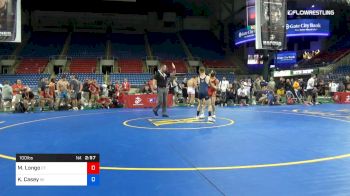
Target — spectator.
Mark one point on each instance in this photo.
(310, 88)
(183, 87)
(42, 85)
(249, 87)
(272, 84)
(94, 91)
(333, 87)
(62, 88)
(289, 88)
(281, 87)
(231, 95)
(302, 85)
(111, 89)
(257, 85)
(126, 86)
(146, 89)
(243, 94)
(173, 85)
(117, 88)
(341, 86)
(86, 92)
(7, 95)
(347, 83)
(104, 90)
(104, 102)
(327, 90)
(18, 89)
(44, 93)
(28, 100)
(75, 87)
(296, 89)
(321, 87)
(52, 88)
(191, 86)
(223, 87)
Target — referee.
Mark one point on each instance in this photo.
(160, 80)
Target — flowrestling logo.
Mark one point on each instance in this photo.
(310, 12)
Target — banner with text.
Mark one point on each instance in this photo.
(295, 28)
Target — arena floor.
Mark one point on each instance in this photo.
(278, 150)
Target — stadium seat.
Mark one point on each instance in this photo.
(43, 44)
(83, 66)
(87, 45)
(27, 66)
(181, 66)
(130, 65)
(203, 44)
(128, 46)
(7, 48)
(30, 80)
(166, 46)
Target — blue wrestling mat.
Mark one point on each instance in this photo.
(285, 150)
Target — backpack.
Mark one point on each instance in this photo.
(19, 108)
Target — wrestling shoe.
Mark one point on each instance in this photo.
(211, 119)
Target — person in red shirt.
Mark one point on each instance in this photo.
(117, 88)
(18, 89)
(95, 91)
(126, 86)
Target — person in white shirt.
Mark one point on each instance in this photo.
(223, 86)
(310, 89)
(242, 95)
(333, 87)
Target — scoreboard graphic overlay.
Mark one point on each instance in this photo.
(57, 169)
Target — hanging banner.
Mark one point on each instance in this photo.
(270, 23)
(295, 28)
(10, 21)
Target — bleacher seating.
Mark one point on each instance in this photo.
(28, 66)
(87, 45)
(82, 76)
(7, 48)
(44, 44)
(203, 44)
(216, 64)
(181, 66)
(134, 79)
(83, 66)
(130, 66)
(166, 46)
(128, 46)
(343, 70)
(30, 80)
